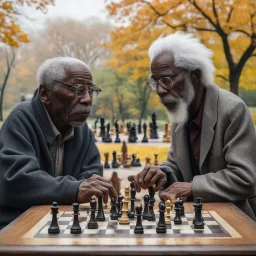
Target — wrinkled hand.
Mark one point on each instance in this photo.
(177, 189)
(149, 176)
(95, 186)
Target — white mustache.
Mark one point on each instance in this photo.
(81, 109)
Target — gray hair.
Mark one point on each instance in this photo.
(188, 53)
(54, 69)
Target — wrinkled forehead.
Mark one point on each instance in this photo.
(78, 71)
(164, 60)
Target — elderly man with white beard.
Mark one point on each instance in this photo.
(47, 151)
(213, 149)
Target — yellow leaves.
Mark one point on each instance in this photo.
(10, 31)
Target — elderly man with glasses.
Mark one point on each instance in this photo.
(213, 150)
(47, 151)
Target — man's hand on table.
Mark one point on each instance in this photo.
(149, 176)
(177, 189)
(95, 186)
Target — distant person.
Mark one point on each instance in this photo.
(47, 151)
(213, 150)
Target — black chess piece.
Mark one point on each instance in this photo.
(145, 139)
(54, 227)
(133, 198)
(151, 214)
(117, 140)
(198, 221)
(146, 202)
(133, 163)
(132, 135)
(95, 123)
(154, 126)
(177, 219)
(181, 204)
(135, 132)
(114, 214)
(102, 128)
(139, 127)
(100, 214)
(92, 222)
(76, 229)
(119, 205)
(106, 164)
(138, 162)
(138, 228)
(114, 162)
(161, 226)
(107, 137)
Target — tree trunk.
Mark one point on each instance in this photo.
(234, 82)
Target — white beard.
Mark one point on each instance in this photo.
(76, 123)
(180, 114)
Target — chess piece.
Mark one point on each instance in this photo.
(147, 160)
(119, 205)
(146, 202)
(135, 132)
(151, 214)
(116, 181)
(156, 161)
(54, 227)
(117, 140)
(181, 204)
(133, 198)
(139, 127)
(92, 222)
(124, 220)
(106, 164)
(102, 128)
(145, 139)
(114, 162)
(198, 222)
(161, 226)
(132, 137)
(100, 214)
(124, 152)
(107, 138)
(95, 127)
(138, 162)
(177, 219)
(114, 214)
(168, 212)
(119, 158)
(154, 126)
(76, 229)
(133, 163)
(138, 228)
(127, 164)
(167, 136)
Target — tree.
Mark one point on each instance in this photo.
(226, 24)
(78, 39)
(10, 32)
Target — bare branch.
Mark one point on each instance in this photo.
(205, 29)
(242, 31)
(230, 13)
(215, 12)
(223, 77)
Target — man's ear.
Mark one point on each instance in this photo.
(43, 93)
(195, 76)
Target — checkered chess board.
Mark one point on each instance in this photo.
(111, 228)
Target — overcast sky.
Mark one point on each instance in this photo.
(76, 9)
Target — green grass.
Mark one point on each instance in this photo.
(252, 109)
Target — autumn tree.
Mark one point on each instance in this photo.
(227, 27)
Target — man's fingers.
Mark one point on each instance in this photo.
(149, 176)
(136, 183)
(110, 189)
(131, 177)
(160, 183)
(168, 196)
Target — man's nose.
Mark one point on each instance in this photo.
(161, 90)
(86, 98)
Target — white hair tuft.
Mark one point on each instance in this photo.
(54, 69)
(189, 53)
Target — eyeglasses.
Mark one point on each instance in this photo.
(81, 89)
(165, 82)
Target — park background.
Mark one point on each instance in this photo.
(113, 37)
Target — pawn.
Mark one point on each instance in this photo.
(119, 205)
(76, 229)
(114, 162)
(161, 226)
(54, 228)
(177, 218)
(133, 163)
(92, 222)
(145, 139)
(146, 202)
(138, 228)
(114, 215)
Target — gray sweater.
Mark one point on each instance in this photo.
(26, 167)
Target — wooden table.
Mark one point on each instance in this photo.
(20, 237)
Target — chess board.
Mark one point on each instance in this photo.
(215, 227)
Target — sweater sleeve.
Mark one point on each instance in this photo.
(237, 181)
(91, 164)
(22, 182)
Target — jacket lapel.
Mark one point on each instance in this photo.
(183, 158)
(208, 122)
